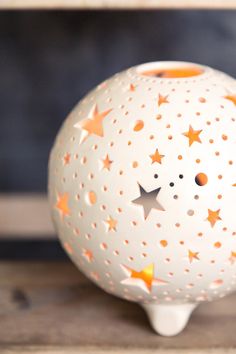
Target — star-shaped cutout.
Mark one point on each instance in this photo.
(107, 163)
(162, 99)
(93, 124)
(88, 255)
(148, 200)
(193, 135)
(232, 258)
(111, 224)
(193, 255)
(213, 216)
(231, 98)
(156, 157)
(62, 204)
(66, 158)
(144, 278)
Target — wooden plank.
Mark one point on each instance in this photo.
(117, 4)
(51, 308)
(25, 216)
(90, 350)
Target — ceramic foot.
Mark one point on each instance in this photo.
(168, 320)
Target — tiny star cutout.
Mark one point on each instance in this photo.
(66, 159)
(93, 124)
(88, 255)
(111, 223)
(193, 255)
(156, 157)
(148, 201)
(232, 258)
(213, 216)
(62, 204)
(193, 135)
(231, 98)
(162, 99)
(143, 279)
(107, 163)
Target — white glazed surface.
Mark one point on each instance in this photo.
(192, 259)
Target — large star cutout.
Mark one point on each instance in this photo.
(148, 201)
(93, 124)
(213, 216)
(162, 99)
(231, 98)
(62, 204)
(193, 135)
(156, 157)
(193, 256)
(144, 278)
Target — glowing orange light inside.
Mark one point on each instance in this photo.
(92, 197)
(201, 179)
(174, 72)
(146, 275)
(62, 204)
(231, 98)
(138, 125)
(163, 243)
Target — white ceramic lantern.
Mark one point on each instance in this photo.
(142, 184)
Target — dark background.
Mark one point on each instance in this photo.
(49, 60)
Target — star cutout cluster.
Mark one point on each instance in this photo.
(142, 187)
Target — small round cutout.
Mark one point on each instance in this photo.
(190, 212)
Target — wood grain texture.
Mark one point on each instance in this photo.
(25, 216)
(51, 308)
(117, 4)
(92, 350)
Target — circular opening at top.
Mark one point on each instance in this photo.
(170, 70)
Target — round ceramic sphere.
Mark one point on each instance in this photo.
(142, 184)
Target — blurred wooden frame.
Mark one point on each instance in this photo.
(25, 216)
(117, 4)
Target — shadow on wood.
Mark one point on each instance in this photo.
(53, 304)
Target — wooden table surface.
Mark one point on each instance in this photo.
(49, 307)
